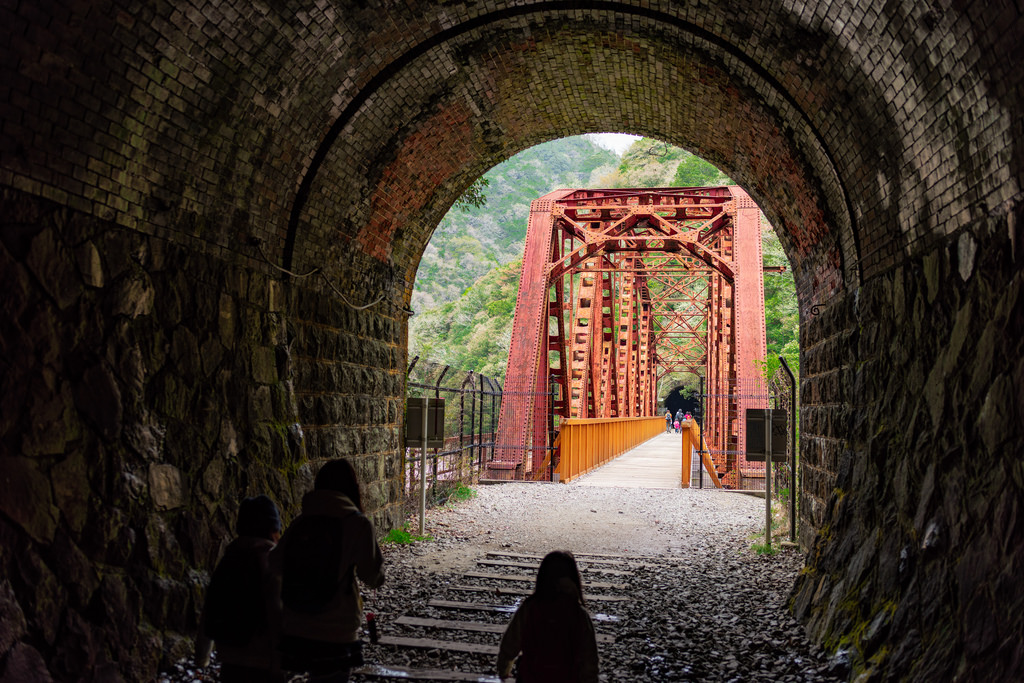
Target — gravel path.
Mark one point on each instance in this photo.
(702, 606)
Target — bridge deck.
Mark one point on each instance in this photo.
(654, 464)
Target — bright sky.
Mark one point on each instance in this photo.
(616, 142)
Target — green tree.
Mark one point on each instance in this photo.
(695, 172)
(475, 196)
(781, 312)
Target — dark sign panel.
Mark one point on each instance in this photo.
(756, 447)
(414, 423)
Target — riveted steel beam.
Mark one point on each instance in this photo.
(622, 289)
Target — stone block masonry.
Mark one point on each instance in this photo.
(350, 382)
(145, 389)
(916, 489)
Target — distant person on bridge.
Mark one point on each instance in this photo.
(318, 560)
(679, 419)
(668, 421)
(552, 629)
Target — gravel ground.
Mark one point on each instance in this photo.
(701, 605)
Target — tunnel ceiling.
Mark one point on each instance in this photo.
(340, 135)
(515, 82)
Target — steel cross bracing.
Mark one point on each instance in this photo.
(621, 289)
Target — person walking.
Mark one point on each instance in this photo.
(241, 611)
(679, 419)
(318, 560)
(552, 629)
(668, 421)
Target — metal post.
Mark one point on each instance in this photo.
(768, 481)
(494, 437)
(480, 433)
(792, 455)
(553, 386)
(437, 395)
(700, 425)
(423, 463)
(462, 425)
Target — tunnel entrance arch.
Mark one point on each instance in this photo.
(684, 398)
(200, 151)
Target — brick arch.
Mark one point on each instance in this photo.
(721, 104)
(157, 365)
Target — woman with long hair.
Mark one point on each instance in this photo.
(319, 558)
(552, 629)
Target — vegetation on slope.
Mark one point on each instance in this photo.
(472, 332)
(652, 163)
(469, 242)
(781, 313)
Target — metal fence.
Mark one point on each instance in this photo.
(782, 392)
(737, 472)
(472, 402)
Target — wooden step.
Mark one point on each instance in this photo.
(504, 609)
(509, 577)
(528, 591)
(434, 644)
(529, 565)
(472, 626)
(411, 674)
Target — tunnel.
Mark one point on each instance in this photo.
(683, 398)
(212, 219)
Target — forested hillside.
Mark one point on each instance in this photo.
(469, 242)
(467, 283)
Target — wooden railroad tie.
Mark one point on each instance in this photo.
(527, 591)
(434, 644)
(474, 626)
(632, 561)
(412, 674)
(534, 565)
(510, 577)
(502, 609)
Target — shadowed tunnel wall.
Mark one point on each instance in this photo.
(164, 165)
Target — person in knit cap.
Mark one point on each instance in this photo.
(242, 612)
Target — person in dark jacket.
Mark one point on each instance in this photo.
(241, 611)
(323, 639)
(552, 629)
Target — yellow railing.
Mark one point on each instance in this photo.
(586, 444)
(693, 440)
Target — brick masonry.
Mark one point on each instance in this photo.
(161, 162)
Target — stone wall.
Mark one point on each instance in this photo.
(349, 368)
(916, 567)
(144, 390)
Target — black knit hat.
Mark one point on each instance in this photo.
(258, 516)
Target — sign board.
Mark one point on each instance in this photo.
(414, 423)
(756, 451)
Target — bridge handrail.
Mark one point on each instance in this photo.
(586, 444)
(693, 442)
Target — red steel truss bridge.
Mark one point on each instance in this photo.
(620, 290)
